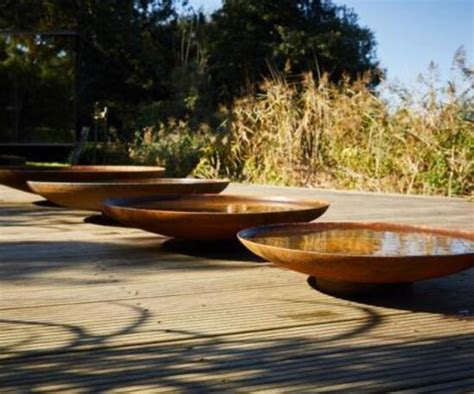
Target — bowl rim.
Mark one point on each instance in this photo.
(309, 204)
(133, 182)
(111, 168)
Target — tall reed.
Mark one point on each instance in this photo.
(344, 136)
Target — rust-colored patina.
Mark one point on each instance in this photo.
(17, 176)
(210, 217)
(347, 264)
(90, 195)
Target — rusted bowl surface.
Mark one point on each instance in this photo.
(90, 195)
(210, 217)
(345, 256)
(17, 176)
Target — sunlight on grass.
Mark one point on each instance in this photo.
(316, 133)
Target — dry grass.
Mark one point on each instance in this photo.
(309, 133)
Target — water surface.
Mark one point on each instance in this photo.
(370, 242)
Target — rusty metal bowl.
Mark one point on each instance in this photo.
(90, 195)
(356, 263)
(17, 176)
(210, 217)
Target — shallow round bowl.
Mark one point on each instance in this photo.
(90, 195)
(17, 176)
(359, 261)
(210, 217)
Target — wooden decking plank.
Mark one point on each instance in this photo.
(119, 285)
(271, 352)
(108, 275)
(328, 358)
(453, 385)
(88, 336)
(223, 381)
(328, 376)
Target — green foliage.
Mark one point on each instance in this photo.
(134, 53)
(250, 39)
(174, 145)
(38, 88)
(124, 48)
(45, 164)
(104, 153)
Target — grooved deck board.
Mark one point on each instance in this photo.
(89, 307)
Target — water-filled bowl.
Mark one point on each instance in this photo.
(353, 255)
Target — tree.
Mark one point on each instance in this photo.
(135, 54)
(37, 82)
(249, 38)
(122, 47)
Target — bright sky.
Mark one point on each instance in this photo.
(409, 33)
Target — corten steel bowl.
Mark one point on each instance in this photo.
(361, 263)
(17, 176)
(210, 217)
(90, 195)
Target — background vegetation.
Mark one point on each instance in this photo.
(318, 133)
(264, 91)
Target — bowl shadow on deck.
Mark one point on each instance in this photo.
(452, 295)
(103, 220)
(231, 250)
(47, 204)
(215, 250)
(112, 261)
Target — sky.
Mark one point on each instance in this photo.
(409, 33)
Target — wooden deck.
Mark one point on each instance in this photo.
(91, 308)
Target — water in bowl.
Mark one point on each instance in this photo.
(370, 242)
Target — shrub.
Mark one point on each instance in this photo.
(174, 145)
(101, 153)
